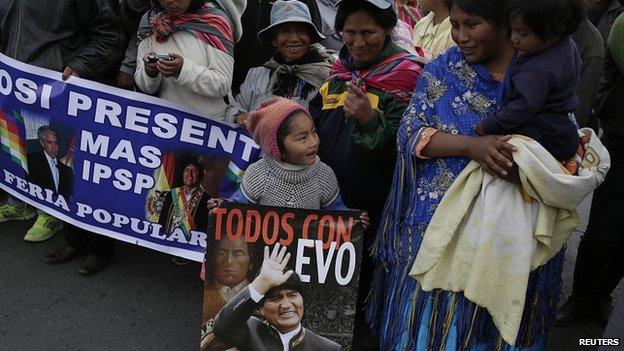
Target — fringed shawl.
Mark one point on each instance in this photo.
(451, 96)
(210, 24)
(394, 75)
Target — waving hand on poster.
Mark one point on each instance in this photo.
(272, 272)
(298, 262)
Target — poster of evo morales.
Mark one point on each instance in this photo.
(273, 272)
(130, 166)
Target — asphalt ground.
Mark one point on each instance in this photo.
(142, 301)
(567, 338)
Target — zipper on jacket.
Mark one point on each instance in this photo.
(345, 164)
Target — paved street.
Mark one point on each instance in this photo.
(566, 338)
(141, 302)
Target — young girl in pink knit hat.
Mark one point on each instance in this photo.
(290, 174)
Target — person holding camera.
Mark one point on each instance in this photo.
(186, 50)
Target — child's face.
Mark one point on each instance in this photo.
(524, 39)
(301, 143)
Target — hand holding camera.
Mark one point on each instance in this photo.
(168, 65)
(153, 58)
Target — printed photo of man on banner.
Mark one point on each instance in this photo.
(280, 276)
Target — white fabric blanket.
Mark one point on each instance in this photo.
(487, 235)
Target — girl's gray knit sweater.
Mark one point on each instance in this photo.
(268, 183)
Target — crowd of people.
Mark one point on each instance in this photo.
(381, 106)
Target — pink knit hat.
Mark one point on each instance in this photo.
(264, 122)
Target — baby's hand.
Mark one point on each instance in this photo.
(212, 203)
(365, 220)
(479, 129)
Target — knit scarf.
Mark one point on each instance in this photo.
(210, 24)
(394, 74)
(313, 68)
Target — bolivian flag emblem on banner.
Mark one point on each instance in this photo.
(234, 173)
(12, 137)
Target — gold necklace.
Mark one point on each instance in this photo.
(499, 76)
